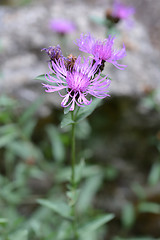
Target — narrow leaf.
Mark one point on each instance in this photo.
(6, 101)
(89, 189)
(87, 110)
(149, 207)
(3, 220)
(7, 139)
(97, 223)
(67, 120)
(43, 78)
(60, 208)
(128, 215)
(154, 175)
(58, 151)
(20, 235)
(28, 114)
(66, 109)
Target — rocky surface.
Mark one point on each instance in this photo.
(24, 32)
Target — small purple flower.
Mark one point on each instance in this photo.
(121, 11)
(54, 53)
(62, 26)
(102, 51)
(79, 83)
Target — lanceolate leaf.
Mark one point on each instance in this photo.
(67, 120)
(3, 220)
(21, 234)
(58, 150)
(60, 208)
(28, 114)
(95, 224)
(87, 110)
(149, 207)
(44, 78)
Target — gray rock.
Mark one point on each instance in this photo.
(25, 32)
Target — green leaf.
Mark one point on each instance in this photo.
(95, 224)
(72, 196)
(8, 129)
(7, 139)
(6, 101)
(79, 170)
(28, 114)
(128, 215)
(28, 128)
(20, 235)
(83, 129)
(25, 150)
(44, 78)
(58, 150)
(87, 110)
(135, 238)
(3, 220)
(88, 171)
(149, 207)
(88, 191)
(154, 175)
(67, 120)
(60, 208)
(139, 191)
(66, 109)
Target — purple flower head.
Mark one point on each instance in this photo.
(54, 53)
(79, 84)
(62, 26)
(102, 51)
(121, 11)
(69, 62)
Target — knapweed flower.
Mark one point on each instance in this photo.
(54, 53)
(69, 62)
(80, 83)
(62, 26)
(121, 11)
(102, 51)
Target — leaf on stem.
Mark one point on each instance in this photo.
(149, 207)
(61, 208)
(87, 110)
(67, 120)
(58, 151)
(128, 215)
(88, 192)
(21, 234)
(95, 224)
(3, 221)
(43, 78)
(29, 113)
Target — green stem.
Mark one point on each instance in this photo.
(73, 156)
(73, 180)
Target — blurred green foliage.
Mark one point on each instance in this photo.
(34, 176)
(26, 167)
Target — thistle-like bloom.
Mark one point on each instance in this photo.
(54, 53)
(80, 83)
(102, 51)
(62, 26)
(121, 11)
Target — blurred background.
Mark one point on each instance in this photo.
(120, 141)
